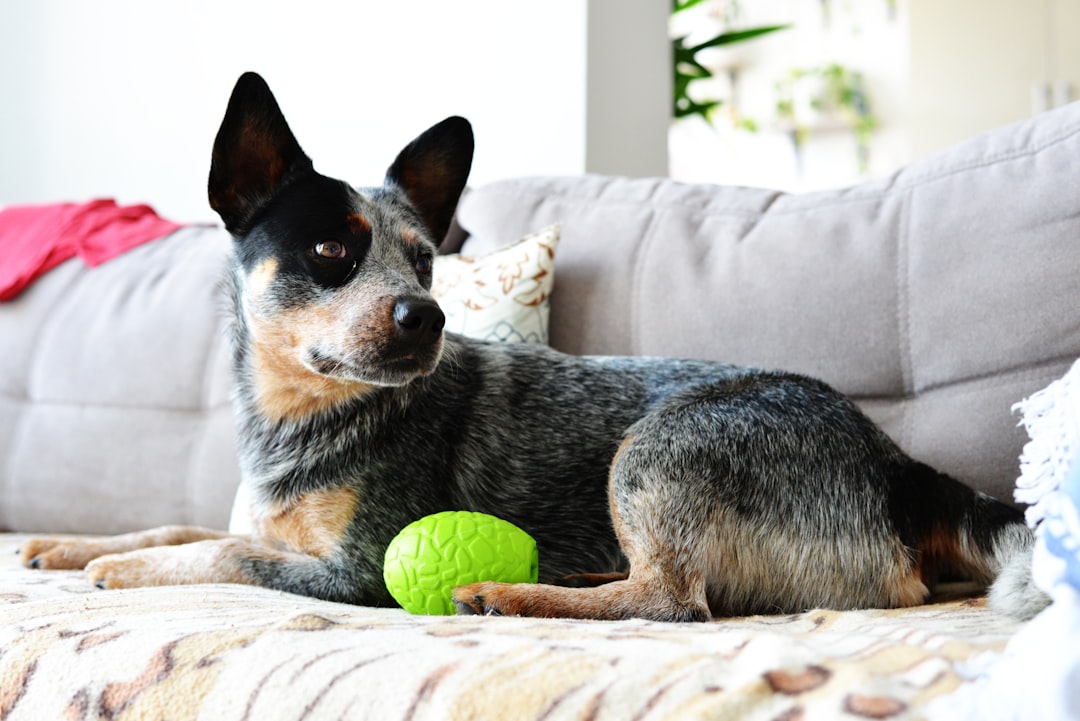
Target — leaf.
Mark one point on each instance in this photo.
(677, 6)
(687, 68)
(688, 107)
(737, 36)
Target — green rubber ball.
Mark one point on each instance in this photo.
(430, 557)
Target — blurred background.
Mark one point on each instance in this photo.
(121, 98)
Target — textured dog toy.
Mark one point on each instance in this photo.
(432, 556)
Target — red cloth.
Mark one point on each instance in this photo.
(36, 238)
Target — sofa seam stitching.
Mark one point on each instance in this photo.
(638, 280)
(1001, 377)
(26, 400)
(903, 313)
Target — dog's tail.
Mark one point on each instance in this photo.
(1014, 592)
(972, 535)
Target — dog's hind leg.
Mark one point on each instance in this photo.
(635, 597)
(655, 589)
(657, 535)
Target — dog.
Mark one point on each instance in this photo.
(672, 490)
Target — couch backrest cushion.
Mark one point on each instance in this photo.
(115, 408)
(937, 297)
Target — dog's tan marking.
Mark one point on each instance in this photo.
(358, 224)
(261, 277)
(314, 524)
(945, 550)
(285, 387)
(622, 533)
(410, 236)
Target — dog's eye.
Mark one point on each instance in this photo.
(424, 264)
(331, 249)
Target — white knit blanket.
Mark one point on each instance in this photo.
(1038, 674)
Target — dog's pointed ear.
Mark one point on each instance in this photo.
(255, 155)
(432, 171)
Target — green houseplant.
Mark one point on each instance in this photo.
(689, 68)
(835, 92)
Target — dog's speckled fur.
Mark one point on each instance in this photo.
(732, 490)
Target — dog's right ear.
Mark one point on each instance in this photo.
(255, 155)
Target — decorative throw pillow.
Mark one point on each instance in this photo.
(502, 295)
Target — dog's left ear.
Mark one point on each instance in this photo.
(432, 171)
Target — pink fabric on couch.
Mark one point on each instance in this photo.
(34, 239)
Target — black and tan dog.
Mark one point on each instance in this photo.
(664, 489)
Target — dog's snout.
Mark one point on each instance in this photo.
(418, 318)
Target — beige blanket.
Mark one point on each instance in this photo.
(232, 653)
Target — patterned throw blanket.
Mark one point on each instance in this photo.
(1038, 675)
(231, 653)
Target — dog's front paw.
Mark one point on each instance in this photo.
(482, 599)
(122, 570)
(57, 553)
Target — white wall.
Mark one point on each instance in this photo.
(122, 98)
(979, 64)
(939, 72)
(628, 87)
(863, 35)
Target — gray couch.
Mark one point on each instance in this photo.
(937, 298)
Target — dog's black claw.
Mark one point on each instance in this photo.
(18, 551)
(35, 563)
(465, 609)
(101, 585)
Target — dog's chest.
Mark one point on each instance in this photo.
(313, 524)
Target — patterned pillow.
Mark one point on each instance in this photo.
(500, 296)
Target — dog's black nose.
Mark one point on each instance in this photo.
(418, 318)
